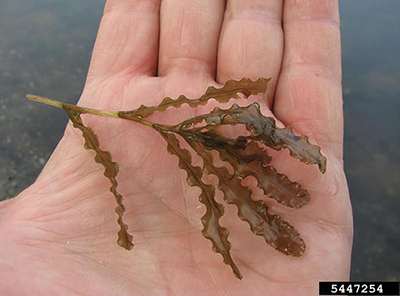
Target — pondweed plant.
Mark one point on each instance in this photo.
(245, 154)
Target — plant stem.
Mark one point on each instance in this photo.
(81, 110)
(84, 110)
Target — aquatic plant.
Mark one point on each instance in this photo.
(246, 154)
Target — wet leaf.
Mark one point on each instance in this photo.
(217, 234)
(262, 129)
(249, 159)
(277, 233)
(230, 90)
(111, 171)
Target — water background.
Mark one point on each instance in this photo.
(45, 48)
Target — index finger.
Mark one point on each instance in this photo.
(309, 93)
(127, 41)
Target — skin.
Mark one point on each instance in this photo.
(58, 237)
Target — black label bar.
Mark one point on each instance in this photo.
(358, 288)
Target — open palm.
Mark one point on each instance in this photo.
(59, 235)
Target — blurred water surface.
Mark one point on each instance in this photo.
(371, 85)
(45, 49)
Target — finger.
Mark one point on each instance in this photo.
(251, 42)
(309, 92)
(127, 41)
(189, 36)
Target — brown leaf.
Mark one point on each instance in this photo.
(229, 91)
(248, 159)
(217, 234)
(277, 233)
(263, 129)
(111, 171)
(253, 161)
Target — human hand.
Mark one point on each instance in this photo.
(59, 235)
